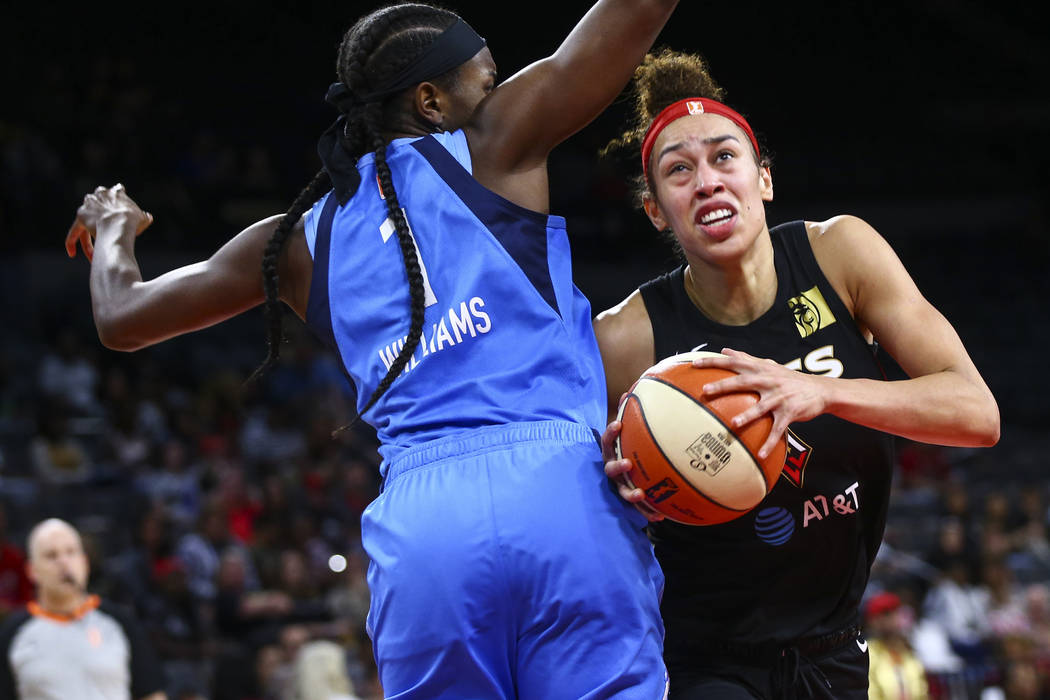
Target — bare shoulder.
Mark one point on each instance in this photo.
(620, 322)
(848, 250)
(842, 230)
(625, 338)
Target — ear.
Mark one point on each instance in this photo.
(30, 574)
(765, 186)
(652, 210)
(428, 101)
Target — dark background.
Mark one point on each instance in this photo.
(929, 119)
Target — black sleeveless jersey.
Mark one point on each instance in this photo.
(796, 565)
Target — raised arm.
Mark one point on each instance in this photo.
(131, 313)
(543, 104)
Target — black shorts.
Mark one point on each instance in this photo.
(838, 673)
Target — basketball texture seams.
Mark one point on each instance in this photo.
(693, 467)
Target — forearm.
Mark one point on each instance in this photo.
(943, 408)
(114, 273)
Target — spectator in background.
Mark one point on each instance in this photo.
(68, 643)
(960, 608)
(320, 672)
(952, 545)
(15, 587)
(894, 672)
(132, 569)
(1028, 535)
(58, 458)
(272, 678)
(1005, 601)
(67, 373)
(1037, 609)
(175, 484)
(179, 629)
(201, 550)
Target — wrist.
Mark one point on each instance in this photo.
(121, 221)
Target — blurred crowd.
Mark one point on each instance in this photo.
(226, 514)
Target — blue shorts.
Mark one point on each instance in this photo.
(503, 565)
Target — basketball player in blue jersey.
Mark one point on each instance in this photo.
(766, 606)
(481, 374)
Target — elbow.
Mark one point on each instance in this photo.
(115, 334)
(991, 435)
(987, 427)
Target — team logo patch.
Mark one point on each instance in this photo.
(661, 490)
(796, 458)
(811, 312)
(695, 107)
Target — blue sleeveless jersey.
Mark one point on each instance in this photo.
(507, 336)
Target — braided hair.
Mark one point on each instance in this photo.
(376, 47)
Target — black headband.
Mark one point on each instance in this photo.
(453, 47)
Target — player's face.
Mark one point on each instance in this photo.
(476, 79)
(57, 562)
(709, 189)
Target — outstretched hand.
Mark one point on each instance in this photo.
(787, 395)
(97, 206)
(616, 469)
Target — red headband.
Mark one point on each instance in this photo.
(682, 108)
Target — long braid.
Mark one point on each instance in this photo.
(411, 259)
(273, 309)
(393, 37)
(377, 46)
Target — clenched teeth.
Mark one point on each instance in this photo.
(715, 215)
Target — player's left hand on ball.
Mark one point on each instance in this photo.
(616, 469)
(787, 395)
(100, 204)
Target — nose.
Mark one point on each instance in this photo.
(708, 182)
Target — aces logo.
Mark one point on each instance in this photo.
(811, 312)
(796, 459)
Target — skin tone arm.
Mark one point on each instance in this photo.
(131, 313)
(516, 127)
(509, 143)
(627, 346)
(945, 401)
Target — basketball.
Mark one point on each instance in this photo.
(693, 467)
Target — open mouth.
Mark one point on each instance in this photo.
(717, 216)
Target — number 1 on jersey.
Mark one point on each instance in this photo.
(387, 230)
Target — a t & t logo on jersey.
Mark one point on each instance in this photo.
(811, 312)
(795, 460)
(661, 491)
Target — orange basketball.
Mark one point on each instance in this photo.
(693, 467)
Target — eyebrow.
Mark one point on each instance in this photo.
(707, 142)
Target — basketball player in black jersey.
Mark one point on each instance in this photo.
(766, 606)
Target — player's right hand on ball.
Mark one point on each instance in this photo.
(99, 205)
(616, 469)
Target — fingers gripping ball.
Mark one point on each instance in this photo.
(693, 467)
